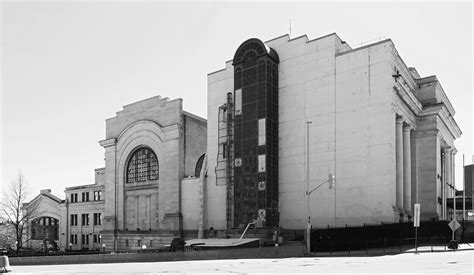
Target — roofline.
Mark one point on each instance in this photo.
(366, 46)
(82, 186)
(217, 71)
(195, 116)
(277, 38)
(324, 36)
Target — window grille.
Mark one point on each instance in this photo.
(142, 166)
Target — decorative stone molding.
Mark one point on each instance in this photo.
(108, 142)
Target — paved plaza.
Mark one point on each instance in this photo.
(459, 262)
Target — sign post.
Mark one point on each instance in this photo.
(416, 224)
(454, 225)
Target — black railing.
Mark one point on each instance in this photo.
(380, 237)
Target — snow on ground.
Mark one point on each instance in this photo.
(459, 262)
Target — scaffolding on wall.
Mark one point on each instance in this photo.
(225, 156)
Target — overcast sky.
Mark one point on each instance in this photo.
(66, 67)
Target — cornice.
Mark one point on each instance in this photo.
(108, 142)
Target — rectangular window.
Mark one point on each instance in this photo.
(238, 102)
(126, 243)
(261, 163)
(261, 132)
(73, 219)
(139, 243)
(85, 196)
(83, 239)
(85, 219)
(73, 239)
(97, 219)
(73, 197)
(97, 195)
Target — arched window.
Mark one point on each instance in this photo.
(197, 171)
(142, 166)
(45, 228)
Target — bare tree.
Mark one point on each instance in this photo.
(15, 211)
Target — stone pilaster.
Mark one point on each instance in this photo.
(407, 203)
(399, 162)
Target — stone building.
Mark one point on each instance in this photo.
(82, 214)
(386, 134)
(43, 231)
(359, 114)
(151, 146)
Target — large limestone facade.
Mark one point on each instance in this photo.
(149, 212)
(386, 133)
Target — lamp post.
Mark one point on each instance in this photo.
(308, 225)
(332, 182)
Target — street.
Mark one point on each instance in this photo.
(459, 262)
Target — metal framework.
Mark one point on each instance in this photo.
(142, 166)
(225, 156)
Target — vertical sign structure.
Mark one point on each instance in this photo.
(255, 135)
(416, 224)
(416, 220)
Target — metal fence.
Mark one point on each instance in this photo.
(380, 238)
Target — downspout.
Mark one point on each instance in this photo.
(202, 185)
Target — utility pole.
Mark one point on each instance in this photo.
(308, 225)
(463, 190)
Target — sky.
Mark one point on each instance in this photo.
(68, 66)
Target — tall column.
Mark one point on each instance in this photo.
(399, 162)
(447, 173)
(407, 168)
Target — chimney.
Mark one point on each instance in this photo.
(45, 191)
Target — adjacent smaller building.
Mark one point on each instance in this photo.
(43, 231)
(82, 213)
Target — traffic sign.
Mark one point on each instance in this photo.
(416, 220)
(454, 225)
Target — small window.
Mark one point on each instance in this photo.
(261, 132)
(238, 102)
(97, 219)
(224, 150)
(74, 220)
(85, 219)
(261, 163)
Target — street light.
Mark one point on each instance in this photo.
(332, 183)
(308, 226)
